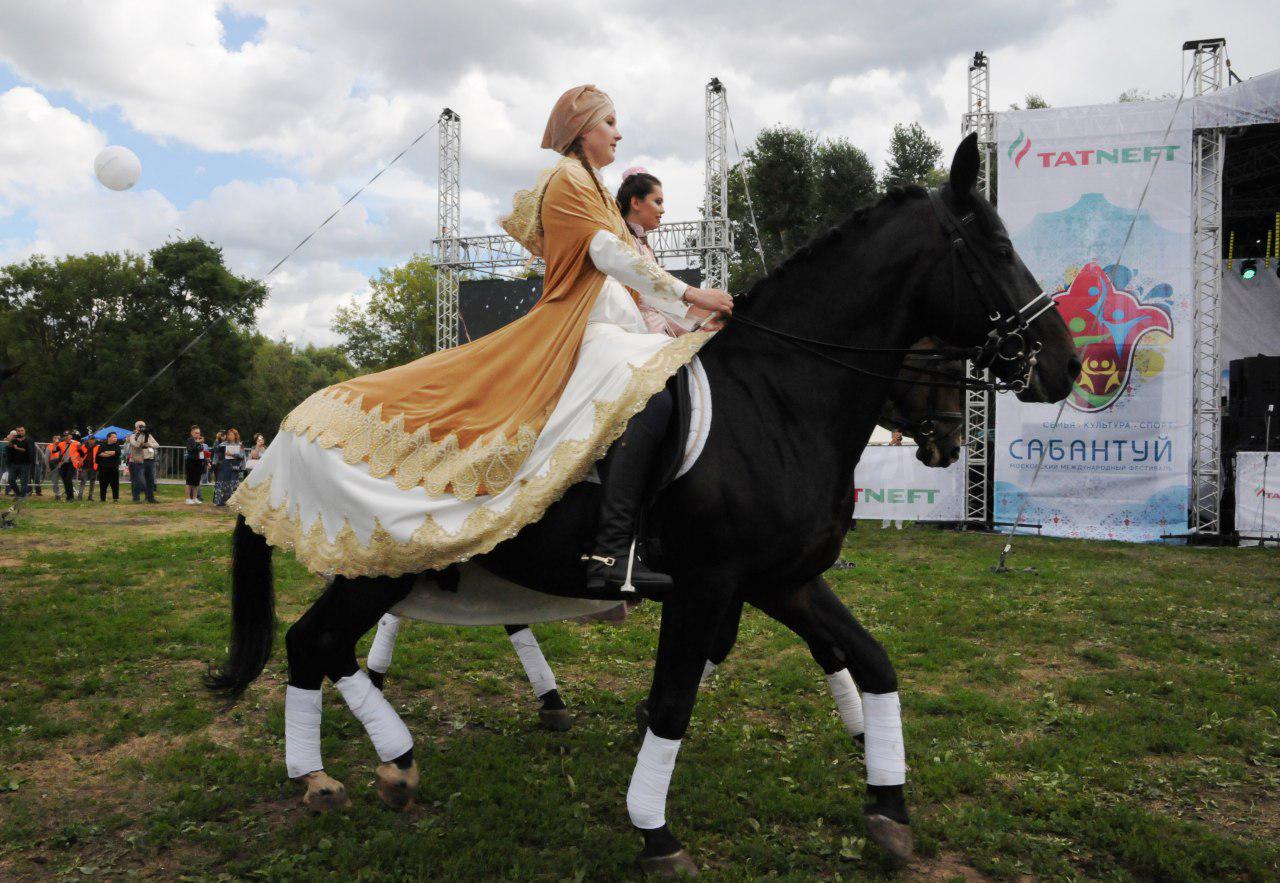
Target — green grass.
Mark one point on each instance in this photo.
(1112, 715)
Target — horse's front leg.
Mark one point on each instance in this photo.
(849, 655)
(323, 644)
(690, 621)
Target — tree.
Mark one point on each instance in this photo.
(93, 329)
(1033, 102)
(798, 186)
(1130, 96)
(397, 324)
(281, 376)
(913, 158)
(846, 180)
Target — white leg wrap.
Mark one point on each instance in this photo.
(707, 671)
(848, 703)
(647, 796)
(886, 758)
(541, 678)
(389, 734)
(384, 643)
(301, 731)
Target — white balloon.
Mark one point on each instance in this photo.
(117, 167)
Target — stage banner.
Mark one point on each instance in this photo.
(1258, 497)
(1117, 463)
(890, 482)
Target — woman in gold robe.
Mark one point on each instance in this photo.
(430, 463)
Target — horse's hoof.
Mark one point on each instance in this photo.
(555, 719)
(642, 718)
(893, 837)
(324, 793)
(668, 865)
(397, 787)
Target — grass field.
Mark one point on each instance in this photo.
(1112, 715)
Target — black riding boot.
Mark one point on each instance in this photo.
(626, 472)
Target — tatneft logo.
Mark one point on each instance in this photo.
(1093, 156)
(895, 495)
(1021, 144)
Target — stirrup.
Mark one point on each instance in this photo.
(627, 587)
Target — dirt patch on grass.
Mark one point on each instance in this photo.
(945, 866)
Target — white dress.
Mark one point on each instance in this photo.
(339, 518)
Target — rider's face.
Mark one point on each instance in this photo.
(600, 142)
(648, 212)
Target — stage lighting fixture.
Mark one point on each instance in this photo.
(1248, 269)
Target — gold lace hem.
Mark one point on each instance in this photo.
(332, 418)
(431, 547)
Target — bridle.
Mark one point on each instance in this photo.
(1010, 324)
(926, 428)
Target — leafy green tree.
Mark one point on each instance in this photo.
(397, 324)
(914, 158)
(846, 180)
(280, 376)
(90, 330)
(798, 186)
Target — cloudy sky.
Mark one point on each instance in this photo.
(254, 120)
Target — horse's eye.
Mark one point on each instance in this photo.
(1005, 252)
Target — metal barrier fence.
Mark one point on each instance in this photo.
(169, 464)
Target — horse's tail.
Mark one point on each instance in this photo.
(253, 614)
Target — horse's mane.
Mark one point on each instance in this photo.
(823, 240)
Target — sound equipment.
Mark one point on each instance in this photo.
(1253, 384)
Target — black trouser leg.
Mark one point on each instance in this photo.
(67, 472)
(627, 471)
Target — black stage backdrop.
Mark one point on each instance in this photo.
(486, 305)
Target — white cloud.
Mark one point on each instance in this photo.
(44, 150)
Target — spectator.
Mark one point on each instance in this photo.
(230, 457)
(106, 462)
(255, 453)
(896, 438)
(20, 462)
(4, 461)
(194, 465)
(54, 462)
(87, 470)
(63, 456)
(142, 446)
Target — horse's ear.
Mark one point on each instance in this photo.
(964, 167)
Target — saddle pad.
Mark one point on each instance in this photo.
(699, 415)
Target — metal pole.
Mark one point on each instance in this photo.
(1207, 155)
(716, 240)
(449, 209)
(979, 408)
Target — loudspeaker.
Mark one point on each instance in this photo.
(1253, 384)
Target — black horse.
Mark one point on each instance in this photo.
(926, 404)
(799, 379)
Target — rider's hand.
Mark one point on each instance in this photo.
(712, 299)
(714, 322)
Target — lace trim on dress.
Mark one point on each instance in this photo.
(330, 419)
(431, 547)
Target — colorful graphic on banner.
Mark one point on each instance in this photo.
(1116, 465)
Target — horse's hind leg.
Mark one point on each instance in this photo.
(378, 662)
(322, 644)
(553, 714)
(849, 655)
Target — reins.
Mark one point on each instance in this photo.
(1008, 327)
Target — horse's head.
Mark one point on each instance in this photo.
(924, 410)
(980, 293)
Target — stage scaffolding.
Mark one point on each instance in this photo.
(708, 242)
(1208, 147)
(979, 404)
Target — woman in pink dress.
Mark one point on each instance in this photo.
(642, 205)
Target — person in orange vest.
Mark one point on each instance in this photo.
(65, 457)
(87, 471)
